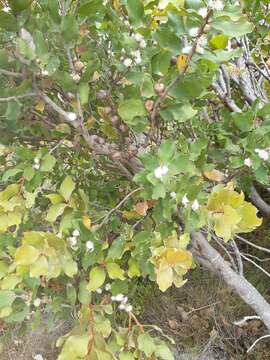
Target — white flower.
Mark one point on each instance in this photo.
(263, 154)
(161, 171)
(142, 44)
(202, 41)
(38, 357)
(44, 72)
(195, 205)
(186, 49)
(138, 59)
(37, 302)
(72, 116)
(76, 233)
(128, 308)
(185, 200)
(203, 12)
(127, 62)
(72, 240)
(90, 246)
(173, 195)
(122, 307)
(99, 291)
(248, 162)
(36, 166)
(193, 32)
(6, 9)
(108, 287)
(216, 4)
(119, 297)
(138, 37)
(36, 160)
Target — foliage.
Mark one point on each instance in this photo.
(98, 97)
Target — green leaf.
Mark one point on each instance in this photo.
(19, 5)
(75, 347)
(26, 255)
(55, 211)
(39, 267)
(117, 248)
(6, 298)
(114, 271)
(47, 163)
(167, 39)
(232, 28)
(163, 352)
(159, 191)
(69, 27)
(96, 278)
(55, 198)
(126, 356)
(91, 8)
(166, 150)
(70, 267)
(178, 112)
(244, 121)
(10, 173)
(71, 294)
(135, 12)
(146, 344)
(8, 22)
(161, 62)
(219, 41)
(3, 269)
(10, 282)
(84, 295)
(84, 93)
(129, 109)
(67, 188)
(28, 173)
(25, 49)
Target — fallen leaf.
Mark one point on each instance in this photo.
(214, 175)
(141, 208)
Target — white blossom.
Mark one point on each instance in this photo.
(173, 194)
(138, 59)
(72, 116)
(127, 62)
(108, 287)
(128, 308)
(143, 44)
(263, 154)
(76, 233)
(193, 32)
(36, 166)
(186, 49)
(138, 37)
(37, 302)
(118, 298)
(185, 200)
(90, 246)
(36, 160)
(6, 9)
(72, 240)
(44, 72)
(195, 205)
(216, 4)
(38, 357)
(203, 12)
(161, 171)
(99, 291)
(122, 307)
(248, 162)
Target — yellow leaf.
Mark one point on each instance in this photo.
(214, 175)
(175, 257)
(40, 106)
(181, 61)
(86, 221)
(129, 215)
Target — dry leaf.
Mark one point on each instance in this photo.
(214, 175)
(173, 324)
(141, 208)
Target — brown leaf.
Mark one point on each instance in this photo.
(214, 175)
(173, 324)
(141, 208)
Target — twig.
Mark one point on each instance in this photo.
(256, 342)
(251, 244)
(238, 257)
(231, 105)
(245, 319)
(106, 218)
(226, 251)
(203, 307)
(10, 73)
(10, 98)
(259, 202)
(255, 264)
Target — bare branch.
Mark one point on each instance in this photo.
(253, 245)
(231, 105)
(18, 97)
(10, 73)
(259, 202)
(256, 265)
(256, 342)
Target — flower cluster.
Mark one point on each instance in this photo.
(263, 154)
(73, 239)
(36, 164)
(123, 300)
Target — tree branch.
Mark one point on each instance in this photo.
(203, 250)
(259, 202)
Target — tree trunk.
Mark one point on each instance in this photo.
(211, 259)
